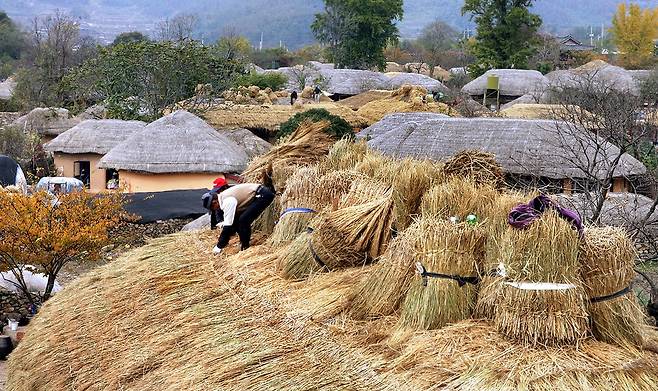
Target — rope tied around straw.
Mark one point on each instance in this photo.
(296, 210)
(461, 280)
(613, 296)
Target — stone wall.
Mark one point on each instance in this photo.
(12, 304)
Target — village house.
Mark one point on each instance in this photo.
(177, 152)
(78, 150)
(533, 153)
(512, 84)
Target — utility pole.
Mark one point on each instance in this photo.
(260, 44)
(591, 36)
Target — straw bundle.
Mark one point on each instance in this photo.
(411, 180)
(375, 165)
(342, 238)
(299, 204)
(478, 166)
(333, 186)
(344, 155)
(545, 252)
(376, 110)
(364, 190)
(608, 258)
(459, 198)
(490, 283)
(450, 250)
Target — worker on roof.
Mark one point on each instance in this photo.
(235, 208)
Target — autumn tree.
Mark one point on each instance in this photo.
(42, 234)
(357, 31)
(634, 31)
(233, 46)
(506, 33)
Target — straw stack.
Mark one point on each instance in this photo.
(478, 166)
(608, 258)
(375, 165)
(383, 289)
(346, 237)
(299, 203)
(411, 180)
(459, 198)
(450, 250)
(333, 186)
(496, 224)
(344, 155)
(362, 190)
(546, 252)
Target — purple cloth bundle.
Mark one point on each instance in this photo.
(523, 215)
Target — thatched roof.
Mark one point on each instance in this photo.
(525, 147)
(48, 121)
(94, 136)
(597, 72)
(178, 142)
(527, 98)
(270, 117)
(357, 101)
(640, 74)
(512, 82)
(540, 111)
(354, 81)
(398, 79)
(7, 88)
(397, 121)
(252, 144)
(321, 65)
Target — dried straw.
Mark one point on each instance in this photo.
(449, 249)
(459, 198)
(478, 166)
(411, 180)
(545, 252)
(608, 258)
(344, 155)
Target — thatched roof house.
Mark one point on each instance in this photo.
(541, 111)
(78, 150)
(48, 122)
(179, 151)
(348, 82)
(398, 79)
(524, 148)
(598, 74)
(7, 88)
(513, 83)
(392, 122)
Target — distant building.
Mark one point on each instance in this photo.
(568, 47)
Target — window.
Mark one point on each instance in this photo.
(111, 179)
(81, 171)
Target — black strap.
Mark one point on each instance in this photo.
(316, 257)
(612, 296)
(461, 280)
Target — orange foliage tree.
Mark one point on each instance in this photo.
(42, 233)
(634, 30)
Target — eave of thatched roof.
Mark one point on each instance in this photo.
(512, 82)
(48, 121)
(398, 80)
(94, 136)
(524, 147)
(177, 143)
(252, 144)
(395, 121)
(271, 117)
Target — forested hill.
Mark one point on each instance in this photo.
(286, 20)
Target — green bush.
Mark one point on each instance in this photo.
(274, 80)
(338, 128)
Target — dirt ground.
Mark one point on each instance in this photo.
(3, 374)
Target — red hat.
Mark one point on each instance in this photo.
(219, 182)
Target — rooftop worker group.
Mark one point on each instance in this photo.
(235, 208)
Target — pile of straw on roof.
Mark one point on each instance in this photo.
(389, 305)
(544, 111)
(357, 101)
(406, 99)
(270, 117)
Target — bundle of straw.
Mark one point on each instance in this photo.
(344, 155)
(449, 250)
(383, 289)
(607, 259)
(333, 186)
(459, 198)
(496, 224)
(478, 166)
(298, 205)
(546, 253)
(412, 179)
(342, 238)
(376, 165)
(363, 190)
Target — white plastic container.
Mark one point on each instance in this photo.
(13, 325)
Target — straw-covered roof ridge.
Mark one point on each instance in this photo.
(178, 142)
(399, 79)
(599, 74)
(353, 81)
(524, 147)
(512, 82)
(94, 136)
(47, 121)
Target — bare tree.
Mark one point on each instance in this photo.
(233, 46)
(178, 28)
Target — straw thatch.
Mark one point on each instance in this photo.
(542, 111)
(392, 122)
(399, 79)
(406, 99)
(394, 67)
(271, 117)
(253, 145)
(7, 88)
(179, 142)
(195, 322)
(480, 167)
(48, 121)
(512, 82)
(353, 81)
(524, 99)
(524, 147)
(94, 136)
(357, 101)
(458, 197)
(597, 74)
(608, 258)
(546, 252)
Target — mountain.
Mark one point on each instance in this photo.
(285, 21)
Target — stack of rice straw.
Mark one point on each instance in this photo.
(479, 166)
(608, 258)
(543, 300)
